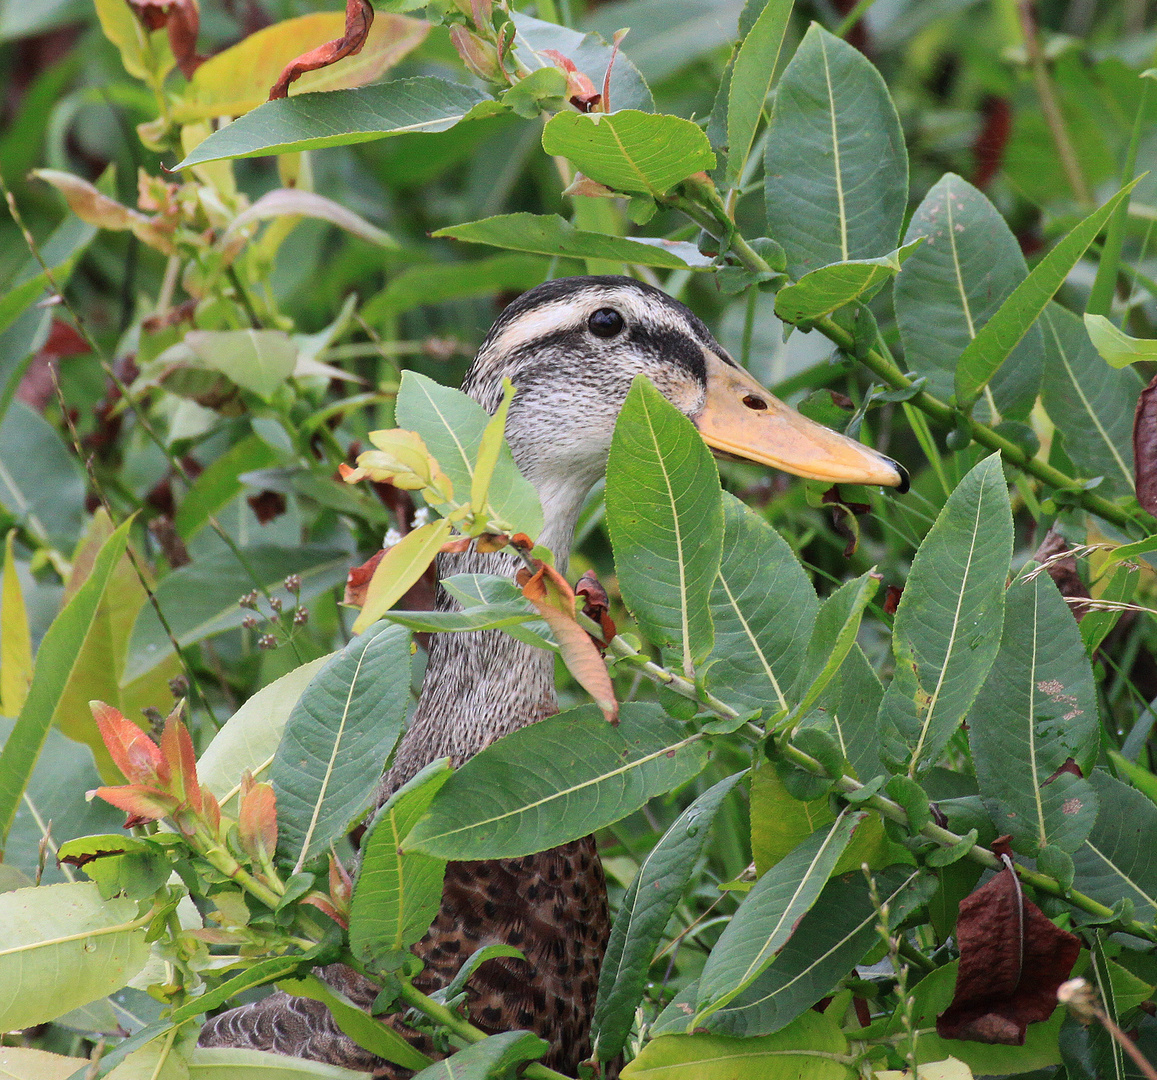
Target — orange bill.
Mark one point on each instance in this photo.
(742, 420)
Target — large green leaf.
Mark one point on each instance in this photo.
(763, 607)
(258, 360)
(636, 152)
(549, 234)
(397, 893)
(665, 517)
(1119, 859)
(809, 1048)
(751, 74)
(55, 661)
(855, 696)
(823, 290)
(643, 916)
(337, 739)
(451, 425)
(60, 253)
(952, 285)
(221, 482)
(761, 926)
(557, 780)
(985, 353)
(341, 117)
(1091, 404)
(836, 167)
(1037, 709)
(233, 1063)
(495, 1056)
(200, 599)
(948, 623)
(63, 947)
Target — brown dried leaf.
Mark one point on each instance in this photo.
(1145, 447)
(844, 516)
(1063, 571)
(182, 19)
(359, 17)
(267, 505)
(554, 599)
(1012, 959)
(358, 580)
(596, 604)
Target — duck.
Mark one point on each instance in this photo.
(571, 347)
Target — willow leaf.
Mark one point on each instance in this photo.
(751, 74)
(401, 566)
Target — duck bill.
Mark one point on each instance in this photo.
(742, 420)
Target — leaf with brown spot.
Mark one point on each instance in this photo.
(1145, 447)
(182, 19)
(1012, 959)
(359, 17)
(554, 599)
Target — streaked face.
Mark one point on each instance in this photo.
(572, 348)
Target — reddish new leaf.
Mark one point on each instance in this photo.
(182, 20)
(359, 17)
(1012, 959)
(181, 758)
(1145, 446)
(132, 751)
(257, 820)
(140, 801)
(357, 581)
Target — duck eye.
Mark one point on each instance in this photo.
(754, 402)
(605, 323)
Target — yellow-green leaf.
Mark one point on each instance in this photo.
(1116, 347)
(400, 567)
(15, 638)
(488, 451)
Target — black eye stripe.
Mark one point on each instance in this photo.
(605, 323)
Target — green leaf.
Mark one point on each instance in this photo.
(56, 659)
(488, 447)
(1119, 859)
(336, 740)
(643, 916)
(257, 360)
(342, 117)
(63, 947)
(780, 822)
(200, 600)
(397, 894)
(768, 915)
(220, 483)
(556, 780)
(232, 1063)
(264, 971)
(950, 288)
(250, 737)
(1091, 404)
(498, 616)
(400, 567)
(636, 152)
(495, 1057)
(985, 353)
(370, 1034)
(1142, 779)
(836, 167)
(948, 623)
(751, 74)
(763, 607)
(452, 425)
(1037, 709)
(1116, 347)
(15, 636)
(809, 1048)
(665, 517)
(827, 288)
(1119, 588)
(549, 234)
(855, 695)
(60, 252)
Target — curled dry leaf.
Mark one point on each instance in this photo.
(359, 17)
(95, 208)
(1145, 447)
(358, 580)
(182, 19)
(554, 600)
(1012, 959)
(1062, 569)
(844, 516)
(596, 604)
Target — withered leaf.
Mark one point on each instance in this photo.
(1145, 446)
(892, 598)
(182, 19)
(359, 17)
(267, 505)
(596, 604)
(1012, 959)
(844, 516)
(358, 580)
(1063, 570)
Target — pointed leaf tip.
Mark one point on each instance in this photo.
(132, 751)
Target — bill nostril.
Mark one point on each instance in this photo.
(754, 402)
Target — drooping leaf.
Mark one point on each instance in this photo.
(55, 660)
(1012, 959)
(665, 518)
(232, 1063)
(823, 290)
(1091, 404)
(342, 117)
(1116, 347)
(644, 914)
(947, 630)
(952, 285)
(397, 894)
(294, 202)
(763, 608)
(983, 356)
(836, 167)
(635, 152)
(63, 947)
(549, 234)
(751, 75)
(1037, 710)
(764, 922)
(337, 739)
(556, 780)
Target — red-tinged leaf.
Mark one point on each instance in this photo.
(579, 89)
(322, 903)
(357, 581)
(554, 600)
(140, 802)
(257, 819)
(1012, 959)
(182, 20)
(132, 751)
(596, 604)
(1145, 447)
(341, 885)
(212, 810)
(1062, 568)
(359, 17)
(177, 750)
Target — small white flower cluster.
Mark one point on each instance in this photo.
(421, 517)
(391, 538)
